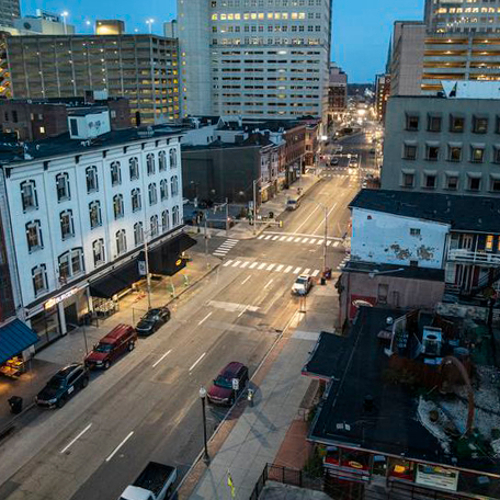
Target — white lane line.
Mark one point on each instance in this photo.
(315, 273)
(197, 361)
(233, 240)
(228, 263)
(288, 269)
(297, 270)
(296, 240)
(262, 266)
(245, 264)
(237, 263)
(205, 318)
(312, 241)
(74, 440)
(336, 244)
(279, 268)
(327, 215)
(305, 221)
(305, 240)
(270, 267)
(307, 271)
(320, 242)
(131, 433)
(275, 238)
(226, 247)
(243, 312)
(268, 283)
(162, 358)
(328, 243)
(268, 237)
(245, 280)
(260, 237)
(252, 266)
(290, 238)
(220, 254)
(283, 238)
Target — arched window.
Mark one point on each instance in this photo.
(153, 226)
(150, 163)
(174, 183)
(133, 165)
(153, 195)
(162, 159)
(116, 173)
(136, 200)
(173, 158)
(165, 221)
(175, 216)
(92, 179)
(118, 207)
(121, 242)
(138, 233)
(163, 189)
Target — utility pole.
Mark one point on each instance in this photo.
(148, 277)
(255, 206)
(325, 247)
(206, 241)
(227, 219)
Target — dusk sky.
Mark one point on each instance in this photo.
(361, 29)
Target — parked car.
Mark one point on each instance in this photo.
(118, 341)
(293, 204)
(221, 391)
(63, 385)
(155, 482)
(302, 285)
(152, 321)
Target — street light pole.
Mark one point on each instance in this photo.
(64, 16)
(148, 277)
(325, 247)
(203, 395)
(255, 205)
(227, 219)
(206, 240)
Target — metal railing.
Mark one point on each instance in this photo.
(463, 255)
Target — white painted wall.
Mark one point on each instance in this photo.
(386, 239)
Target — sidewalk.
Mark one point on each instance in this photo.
(73, 346)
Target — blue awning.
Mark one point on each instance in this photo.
(15, 337)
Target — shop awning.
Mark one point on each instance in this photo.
(116, 281)
(166, 258)
(15, 337)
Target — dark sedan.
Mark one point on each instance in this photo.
(152, 321)
(221, 392)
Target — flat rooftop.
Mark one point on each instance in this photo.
(407, 272)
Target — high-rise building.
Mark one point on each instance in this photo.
(9, 10)
(337, 90)
(142, 68)
(473, 16)
(261, 59)
(382, 93)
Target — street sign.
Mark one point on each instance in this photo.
(236, 384)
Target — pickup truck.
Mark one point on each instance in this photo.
(155, 482)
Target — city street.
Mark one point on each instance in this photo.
(146, 407)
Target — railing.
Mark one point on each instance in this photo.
(462, 255)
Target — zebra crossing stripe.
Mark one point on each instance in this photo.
(237, 263)
(296, 240)
(261, 236)
(305, 240)
(275, 238)
(297, 270)
(268, 237)
(279, 268)
(262, 266)
(290, 239)
(336, 244)
(307, 271)
(283, 238)
(228, 263)
(270, 267)
(328, 243)
(321, 242)
(288, 269)
(245, 264)
(312, 241)
(252, 266)
(315, 273)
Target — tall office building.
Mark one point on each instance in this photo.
(9, 10)
(256, 58)
(142, 68)
(465, 16)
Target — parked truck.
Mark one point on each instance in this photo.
(155, 482)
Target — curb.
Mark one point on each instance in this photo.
(9, 428)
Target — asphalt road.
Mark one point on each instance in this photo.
(146, 407)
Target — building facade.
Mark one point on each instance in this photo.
(337, 91)
(142, 68)
(266, 59)
(443, 145)
(382, 93)
(7, 307)
(78, 214)
(9, 11)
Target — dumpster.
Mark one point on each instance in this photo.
(16, 404)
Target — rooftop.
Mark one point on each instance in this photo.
(463, 213)
(407, 272)
(471, 89)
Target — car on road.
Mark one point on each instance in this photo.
(119, 340)
(292, 204)
(339, 150)
(152, 321)
(155, 482)
(221, 392)
(334, 161)
(302, 285)
(63, 385)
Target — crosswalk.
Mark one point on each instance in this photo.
(343, 263)
(300, 239)
(271, 267)
(225, 247)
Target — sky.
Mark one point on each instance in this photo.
(361, 28)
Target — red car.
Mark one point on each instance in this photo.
(221, 392)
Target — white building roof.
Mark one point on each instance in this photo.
(471, 89)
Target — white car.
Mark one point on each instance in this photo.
(302, 285)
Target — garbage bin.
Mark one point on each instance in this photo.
(16, 404)
(323, 280)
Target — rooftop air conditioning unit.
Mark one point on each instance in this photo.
(432, 341)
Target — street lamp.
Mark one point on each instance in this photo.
(150, 22)
(64, 16)
(203, 395)
(325, 246)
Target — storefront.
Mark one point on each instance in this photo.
(16, 339)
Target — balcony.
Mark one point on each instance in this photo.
(471, 257)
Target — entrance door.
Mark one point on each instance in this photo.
(71, 315)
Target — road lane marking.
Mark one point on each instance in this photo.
(228, 263)
(73, 441)
(262, 266)
(243, 312)
(336, 244)
(279, 268)
(268, 283)
(307, 218)
(237, 263)
(245, 280)
(297, 270)
(245, 264)
(320, 242)
(288, 269)
(131, 433)
(322, 223)
(296, 240)
(261, 236)
(255, 264)
(283, 238)
(312, 241)
(329, 242)
(268, 237)
(315, 273)
(275, 238)
(205, 318)
(307, 271)
(270, 267)
(220, 254)
(197, 361)
(162, 358)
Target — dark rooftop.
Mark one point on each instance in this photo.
(408, 272)
(463, 213)
(326, 356)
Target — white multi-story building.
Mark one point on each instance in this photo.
(76, 214)
(255, 58)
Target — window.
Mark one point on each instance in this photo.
(497, 125)
(408, 180)
(67, 225)
(28, 195)
(92, 180)
(153, 195)
(39, 277)
(153, 226)
(474, 183)
(133, 166)
(430, 181)
(150, 163)
(480, 125)
(452, 182)
(62, 185)
(174, 185)
(70, 264)
(410, 152)
(495, 185)
(433, 123)
(163, 189)
(34, 236)
(457, 124)
(454, 153)
(414, 231)
(477, 154)
(162, 159)
(382, 293)
(95, 214)
(136, 200)
(432, 153)
(116, 173)
(121, 242)
(496, 154)
(118, 208)
(98, 251)
(165, 221)
(175, 216)
(412, 122)
(489, 243)
(138, 234)
(173, 158)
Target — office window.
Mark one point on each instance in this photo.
(70, 264)
(39, 278)
(92, 179)
(138, 234)
(95, 214)
(175, 216)
(165, 221)
(67, 224)
(432, 153)
(118, 207)
(116, 173)
(408, 180)
(154, 226)
(434, 123)
(153, 195)
(136, 200)
(480, 125)
(474, 183)
(34, 236)
(412, 122)
(174, 183)
(173, 158)
(28, 195)
(164, 189)
(457, 124)
(452, 182)
(430, 181)
(133, 167)
(495, 185)
(121, 242)
(98, 252)
(454, 153)
(62, 186)
(162, 160)
(410, 152)
(477, 154)
(150, 164)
